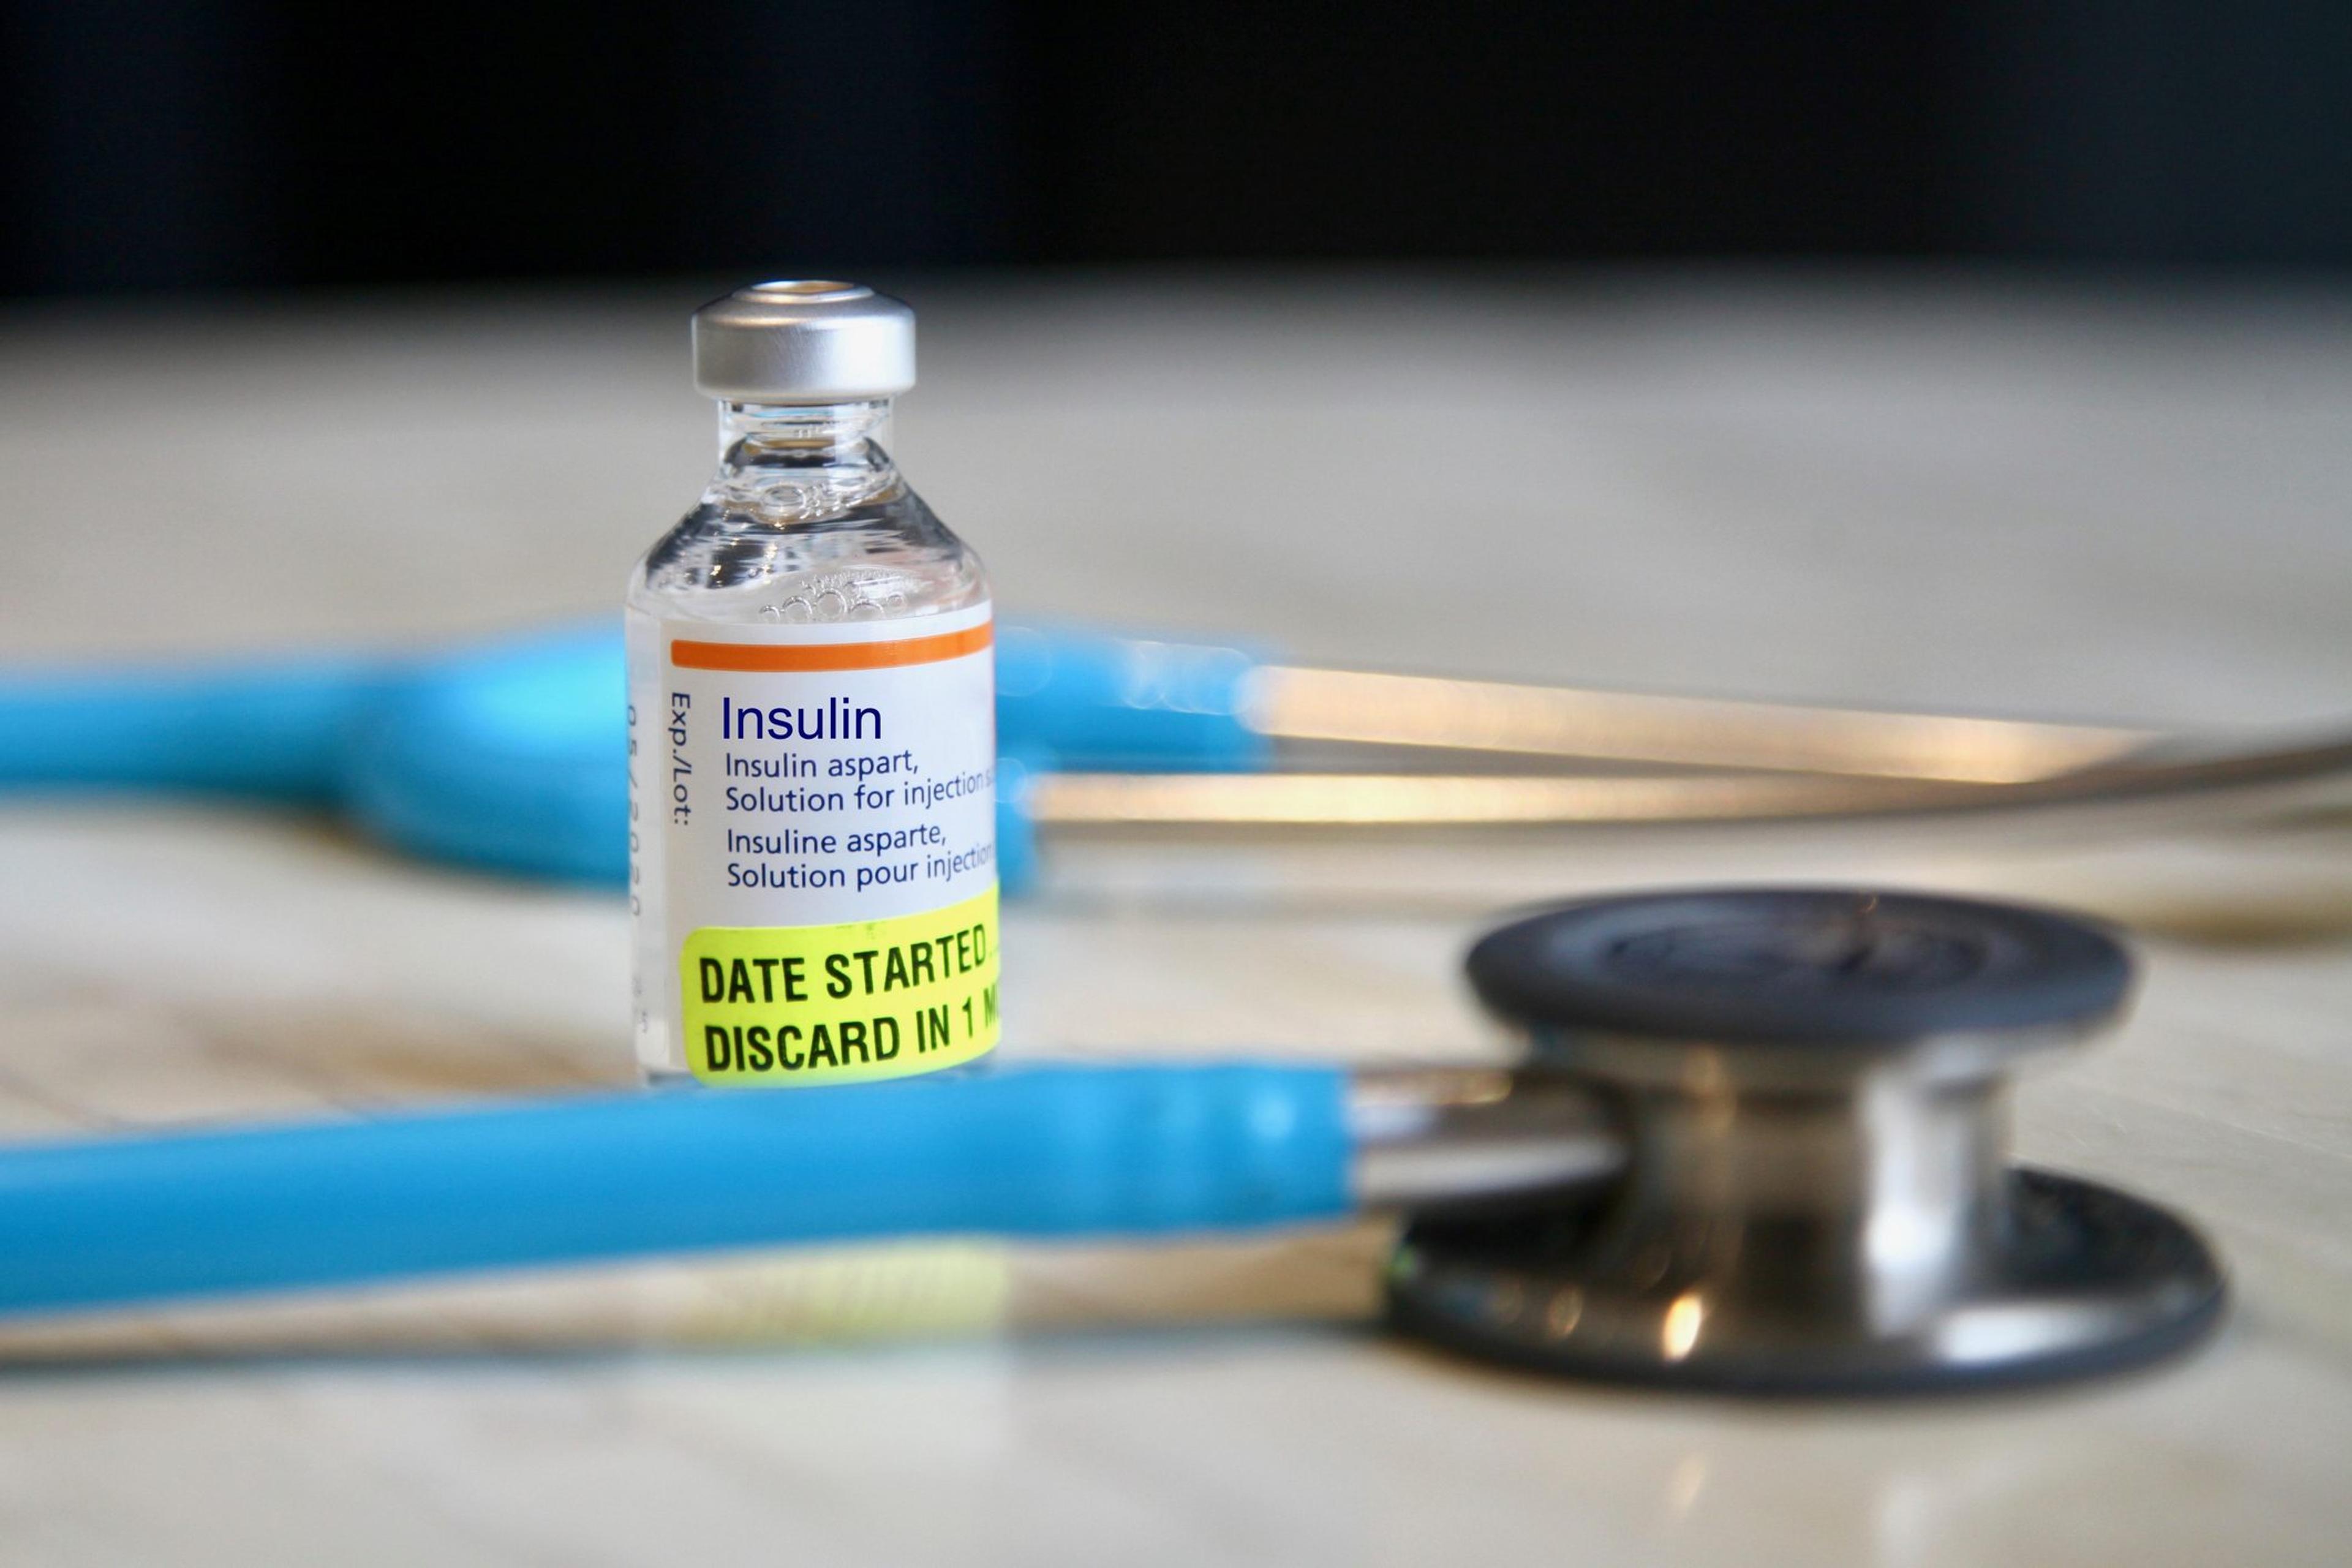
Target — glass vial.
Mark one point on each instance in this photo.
(812, 726)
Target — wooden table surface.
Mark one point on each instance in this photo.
(2064, 501)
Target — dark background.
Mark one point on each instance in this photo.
(173, 144)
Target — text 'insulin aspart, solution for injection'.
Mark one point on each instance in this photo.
(812, 726)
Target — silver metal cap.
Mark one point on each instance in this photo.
(803, 339)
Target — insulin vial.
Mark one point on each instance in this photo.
(812, 726)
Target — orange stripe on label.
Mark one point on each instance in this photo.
(768, 657)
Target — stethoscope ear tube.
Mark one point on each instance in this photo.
(1027, 1152)
(264, 729)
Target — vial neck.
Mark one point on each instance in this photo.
(797, 462)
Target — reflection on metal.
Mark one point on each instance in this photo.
(1679, 1331)
(1364, 707)
(2248, 783)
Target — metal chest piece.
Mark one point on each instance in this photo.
(1813, 1088)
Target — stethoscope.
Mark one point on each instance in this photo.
(1758, 1142)
(510, 756)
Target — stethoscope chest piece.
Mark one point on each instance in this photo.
(1818, 1199)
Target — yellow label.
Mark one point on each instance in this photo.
(802, 1005)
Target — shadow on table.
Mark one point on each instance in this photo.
(871, 1297)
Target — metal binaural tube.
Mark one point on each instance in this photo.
(1435, 1139)
(1370, 708)
(2251, 783)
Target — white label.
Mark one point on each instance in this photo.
(826, 798)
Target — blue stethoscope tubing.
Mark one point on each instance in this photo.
(1033, 1152)
(511, 756)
